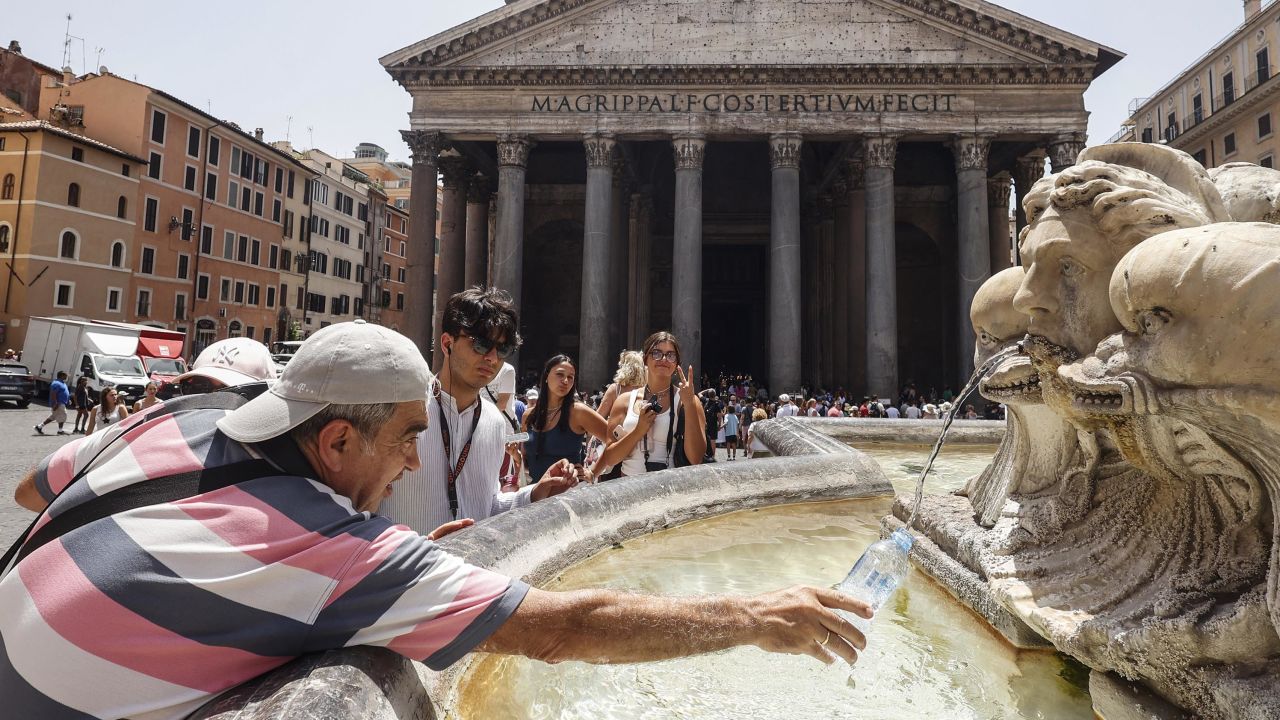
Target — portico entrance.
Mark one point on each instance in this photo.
(812, 133)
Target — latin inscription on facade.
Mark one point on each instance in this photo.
(744, 103)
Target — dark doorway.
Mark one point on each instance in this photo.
(549, 317)
(926, 289)
(735, 282)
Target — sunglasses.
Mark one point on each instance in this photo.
(669, 356)
(482, 346)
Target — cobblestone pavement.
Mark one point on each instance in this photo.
(22, 449)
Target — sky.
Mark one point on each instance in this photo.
(309, 72)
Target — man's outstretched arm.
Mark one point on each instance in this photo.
(603, 626)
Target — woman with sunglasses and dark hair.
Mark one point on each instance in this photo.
(655, 417)
(558, 424)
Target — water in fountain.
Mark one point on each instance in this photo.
(978, 376)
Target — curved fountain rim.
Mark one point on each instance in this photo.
(534, 545)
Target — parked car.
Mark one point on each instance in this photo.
(17, 384)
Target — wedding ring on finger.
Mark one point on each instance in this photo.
(825, 640)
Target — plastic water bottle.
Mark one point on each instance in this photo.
(877, 574)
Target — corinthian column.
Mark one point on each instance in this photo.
(998, 189)
(1064, 149)
(686, 259)
(593, 347)
(477, 265)
(508, 246)
(420, 260)
(453, 235)
(856, 286)
(974, 252)
(882, 268)
(618, 235)
(840, 300)
(784, 264)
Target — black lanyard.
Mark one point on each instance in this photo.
(671, 425)
(454, 471)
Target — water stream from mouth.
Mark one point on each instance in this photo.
(978, 376)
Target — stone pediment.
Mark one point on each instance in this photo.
(751, 33)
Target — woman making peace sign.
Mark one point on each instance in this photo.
(656, 415)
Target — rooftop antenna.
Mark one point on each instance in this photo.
(311, 138)
(288, 128)
(66, 47)
(98, 63)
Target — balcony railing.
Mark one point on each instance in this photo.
(1256, 79)
(1126, 134)
(1171, 132)
(1224, 100)
(1197, 117)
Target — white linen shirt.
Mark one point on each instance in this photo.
(421, 498)
(788, 410)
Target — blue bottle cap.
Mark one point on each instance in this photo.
(903, 538)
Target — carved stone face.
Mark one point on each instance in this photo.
(1068, 264)
(998, 326)
(1200, 308)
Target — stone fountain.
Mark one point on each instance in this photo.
(1129, 517)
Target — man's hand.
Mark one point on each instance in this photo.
(450, 528)
(803, 621)
(559, 477)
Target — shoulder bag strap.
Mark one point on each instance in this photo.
(142, 494)
(221, 400)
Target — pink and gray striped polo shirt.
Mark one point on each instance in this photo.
(152, 612)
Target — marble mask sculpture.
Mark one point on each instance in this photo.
(1132, 505)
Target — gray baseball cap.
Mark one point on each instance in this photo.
(351, 363)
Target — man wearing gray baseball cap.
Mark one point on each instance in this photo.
(283, 556)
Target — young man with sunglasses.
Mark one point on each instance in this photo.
(463, 449)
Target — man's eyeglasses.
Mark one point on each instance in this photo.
(482, 346)
(669, 356)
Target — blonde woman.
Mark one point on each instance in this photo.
(630, 376)
(753, 444)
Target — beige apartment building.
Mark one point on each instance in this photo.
(393, 177)
(213, 228)
(1224, 107)
(339, 241)
(387, 278)
(68, 205)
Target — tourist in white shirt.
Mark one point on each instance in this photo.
(479, 331)
(787, 408)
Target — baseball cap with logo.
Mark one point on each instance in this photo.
(351, 363)
(232, 362)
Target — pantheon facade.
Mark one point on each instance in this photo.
(809, 191)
